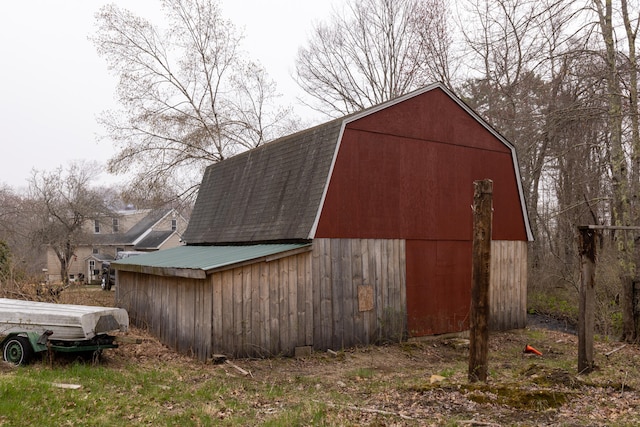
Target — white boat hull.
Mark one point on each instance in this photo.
(66, 321)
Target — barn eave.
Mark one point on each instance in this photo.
(198, 262)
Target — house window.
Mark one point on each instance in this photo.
(174, 224)
(96, 226)
(115, 225)
(92, 265)
(94, 251)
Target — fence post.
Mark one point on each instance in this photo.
(586, 317)
(479, 319)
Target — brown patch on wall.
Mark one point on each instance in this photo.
(365, 298)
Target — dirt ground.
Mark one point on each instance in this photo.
(425, 382)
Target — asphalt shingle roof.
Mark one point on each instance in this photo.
(269, 194)
(153, 240)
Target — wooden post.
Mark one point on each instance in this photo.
(479, 320)
(588, 244)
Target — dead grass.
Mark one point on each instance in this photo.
(411, 383)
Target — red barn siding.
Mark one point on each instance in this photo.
(438, 286)
(407, 172)
(432, 116)
(384, 186)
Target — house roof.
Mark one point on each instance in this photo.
(154, 240)
(198, 261)
(100, 257)
(139, 232)
(275, 192)
(146, 223)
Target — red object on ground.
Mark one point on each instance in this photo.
(529, 349)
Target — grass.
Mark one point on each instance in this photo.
(160, 395)
(147, 384)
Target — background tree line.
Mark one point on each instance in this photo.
(558, 78)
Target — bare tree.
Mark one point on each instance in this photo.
(183, 104)
(16, 223)
(623, 140)
(559, 79)
(505, 42)
(373, 51)
(62, 202)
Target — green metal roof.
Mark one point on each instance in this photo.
(203, 258)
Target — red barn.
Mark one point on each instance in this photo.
(352, 232)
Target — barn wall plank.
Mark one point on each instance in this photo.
(227, 310)
(216, 332)
(301, 316)
(326, 309)
(274, 308)
(508, 306)
(283, 304)
(357, 273)
(368, 315)
(207, 319)
(309, 307)
(257, 321)
(247, 309)
(292, 305)
(239, 330)
(317, 258)
(337, 295)
(349, 294)
(186, 325)
(171, 312)
(379, 292)
(265, 313)
(402, 261)
(522, 270)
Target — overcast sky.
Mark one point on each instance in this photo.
(53, 85)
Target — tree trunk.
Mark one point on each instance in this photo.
(629, 313)
(621, 215)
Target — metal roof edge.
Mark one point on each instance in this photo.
(316, 220)
(266, 258)
(201, 272)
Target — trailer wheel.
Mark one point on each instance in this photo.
(18, 351)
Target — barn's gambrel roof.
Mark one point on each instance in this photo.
(275, 193)
(271, 193)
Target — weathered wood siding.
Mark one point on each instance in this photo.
(345, 292)
(176, 310)
(342, 293)
(508, 290)
(261, 309)
(359, 291)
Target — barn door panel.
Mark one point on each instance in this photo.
(438, 286)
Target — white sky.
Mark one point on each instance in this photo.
(53, 85)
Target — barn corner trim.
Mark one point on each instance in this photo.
(400, 99)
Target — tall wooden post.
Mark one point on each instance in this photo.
(586, 317)
(482, 222)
